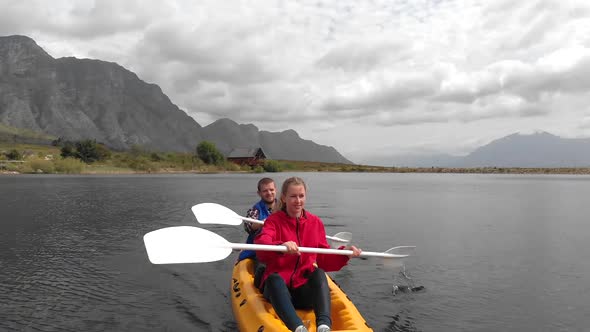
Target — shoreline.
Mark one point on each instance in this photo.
(357, 169)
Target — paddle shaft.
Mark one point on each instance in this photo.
(187, 244)
(280, 248)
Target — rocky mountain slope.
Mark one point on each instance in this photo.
(82, 98)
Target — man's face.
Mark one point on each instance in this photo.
(268, 192)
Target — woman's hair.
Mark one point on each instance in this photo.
(293, 181)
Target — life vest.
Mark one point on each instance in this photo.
(263, 213)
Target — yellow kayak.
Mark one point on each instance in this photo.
(254, 313)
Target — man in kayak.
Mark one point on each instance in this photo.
(291, 279)
(261, 210)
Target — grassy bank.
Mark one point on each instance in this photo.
(329, 167)
(46, 159)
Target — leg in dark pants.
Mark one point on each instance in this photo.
(277, 293)
(315, 293)
(258, 272)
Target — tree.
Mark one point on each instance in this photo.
(208, 153)
(87, 151)
(68, 150)
(14, 155)
(58, 142)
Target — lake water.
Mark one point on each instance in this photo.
(494, 252)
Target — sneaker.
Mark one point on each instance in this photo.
(324, 328)
(302, 328)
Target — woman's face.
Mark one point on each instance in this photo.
(294, 199)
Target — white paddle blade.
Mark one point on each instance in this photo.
(185, 244)
(212, 213)
(392, 263)
(339, 239)
(400, 250)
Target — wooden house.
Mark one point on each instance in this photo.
(247, 156)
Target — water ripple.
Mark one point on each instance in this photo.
(72, 255)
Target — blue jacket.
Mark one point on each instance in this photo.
(263, 213)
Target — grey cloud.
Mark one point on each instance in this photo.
(204, 57)
(243, 71)
(520, 26)
(474, 89)
(487, 107)
(251, 103)
(397, 95)
(362, 57)
(529, 81)
(533, 83)
(533, 110)
(537, 30)
(585, 123)
(164, 43)
(11, 18)
(104, 18)
(407, 118)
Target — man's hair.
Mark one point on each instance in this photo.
(264, 181)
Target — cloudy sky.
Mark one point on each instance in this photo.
(370, 78)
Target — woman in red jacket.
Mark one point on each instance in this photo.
(291, 280)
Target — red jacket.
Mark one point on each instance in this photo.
(306, 231)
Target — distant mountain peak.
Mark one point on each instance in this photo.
(24, 40)
(535, 132)
(532, 149)
(21, 43)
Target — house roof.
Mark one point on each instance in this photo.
(246, 153)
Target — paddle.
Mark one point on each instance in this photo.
(213, 213)
(187, 244)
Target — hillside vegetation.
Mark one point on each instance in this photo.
(26, 151)
(36, 158)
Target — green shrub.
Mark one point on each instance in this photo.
(232, 167)
(68, 150)
(143, 165)
(288, 166)
(22, 168)
(103, 152)
(272, 166)
(258, 169)
(38, 165)
(209, 154)
(155, 157)
(69, 165)
(14, 155)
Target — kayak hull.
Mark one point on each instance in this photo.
(253, 313)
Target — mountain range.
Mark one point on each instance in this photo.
(540, 149)
(83, 98)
